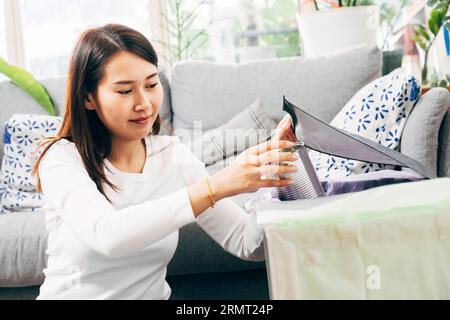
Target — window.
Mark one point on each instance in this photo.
(233, 30)
(2, 37)
(51, 28)
(216, 30)
(269, 25)
(2, 32)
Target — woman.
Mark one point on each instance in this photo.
(117, 193)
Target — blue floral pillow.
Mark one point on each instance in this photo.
(377, 112)
(21, 137)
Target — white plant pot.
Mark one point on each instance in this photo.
(225, 55)
(257, 53)
(325, 32)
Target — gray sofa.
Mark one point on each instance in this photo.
(214, 93)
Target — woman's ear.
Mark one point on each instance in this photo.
(89, 103)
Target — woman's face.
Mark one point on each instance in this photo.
(128, 97)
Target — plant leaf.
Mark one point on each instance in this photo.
(26, 81)
(442, 83)
(417, 39)
(423, 32)
(435, 21)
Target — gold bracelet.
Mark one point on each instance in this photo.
(211, 194)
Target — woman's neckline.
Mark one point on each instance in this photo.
(115, 170)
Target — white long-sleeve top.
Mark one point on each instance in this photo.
(120, 250)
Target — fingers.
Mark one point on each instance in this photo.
(284, 124)
(275, 156)
(285, 120)
(270, 157)
(288, 121)
(274, 183)
(292, 137)
(277, 169)
(270, 145)
(284, 129)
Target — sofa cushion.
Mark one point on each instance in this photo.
(421, 138)
(215, 92)
(23, 241)
(246, 129)
(377, 112)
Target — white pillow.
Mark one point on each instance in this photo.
(21, 137)
(378, 112)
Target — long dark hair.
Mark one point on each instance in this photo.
(81, 126)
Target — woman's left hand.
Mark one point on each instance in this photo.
(284, 130)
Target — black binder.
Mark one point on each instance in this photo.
(320, 136)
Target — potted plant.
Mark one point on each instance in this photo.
(349, 22)
(25, 80)
(427, 34)
(184, 38)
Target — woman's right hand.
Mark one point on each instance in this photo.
(245, 172)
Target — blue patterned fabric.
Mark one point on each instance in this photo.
(378, 112)
(21, 137)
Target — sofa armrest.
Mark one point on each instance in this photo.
(23, 242)
(420, 139)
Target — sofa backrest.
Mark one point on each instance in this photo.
(214, 92)
(14, 100)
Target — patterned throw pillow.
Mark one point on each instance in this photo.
(21, 137)
(377, 112)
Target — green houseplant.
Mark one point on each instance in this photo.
(427, 34)
(25, 80)
(185, 39)
(436, 82)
